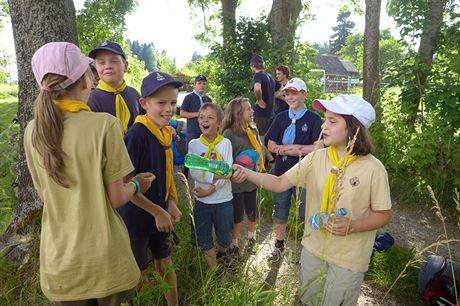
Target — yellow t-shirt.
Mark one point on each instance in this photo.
(365, 187)
(84, 249)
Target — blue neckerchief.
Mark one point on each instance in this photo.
(200, 96)
(289, 132)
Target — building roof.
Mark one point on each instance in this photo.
(333, 65)
(349, 67)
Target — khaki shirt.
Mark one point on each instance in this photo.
(365, 187)
(84, 249)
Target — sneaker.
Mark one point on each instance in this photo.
(233, 251)
(250, 246)
(276, 254)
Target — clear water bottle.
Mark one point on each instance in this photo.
(219, 167)
(319, 220)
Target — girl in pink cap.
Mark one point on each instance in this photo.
(77, 160)
(344, 177)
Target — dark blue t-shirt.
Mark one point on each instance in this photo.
(192, 104)
(280, 106)
(268, 85)
(104, 101)
(307, 131)
(147, 155)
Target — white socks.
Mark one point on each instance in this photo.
(251, 235)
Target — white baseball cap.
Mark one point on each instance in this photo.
(348, 105)
(295, 85)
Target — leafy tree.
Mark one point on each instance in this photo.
(341, 31)
(146, 53)
(418, 19)
(390, 50)
(283, 22)
(101, 20)
(322, 48)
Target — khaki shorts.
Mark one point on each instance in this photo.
(112, 300)
(327, 284)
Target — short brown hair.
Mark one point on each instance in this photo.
(363, 144)
(215, 107)
(284, 70)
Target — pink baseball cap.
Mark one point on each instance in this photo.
(60, 58)
(348, 105)
(295, 85)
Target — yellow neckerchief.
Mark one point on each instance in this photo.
(164, 136)
(121, 108)
(257, 146)
(211, 147)
(71, 106)
(329, 197)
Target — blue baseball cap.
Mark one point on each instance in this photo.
(107, 46)
(200, 78)
(156, 80)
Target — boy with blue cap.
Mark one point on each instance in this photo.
(112, 95)
(149, 145)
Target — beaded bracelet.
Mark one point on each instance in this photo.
(136, 185)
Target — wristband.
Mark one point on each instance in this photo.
(136, 184)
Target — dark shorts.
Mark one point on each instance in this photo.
(159, 244)
(111, 300)
(263, 124)
(245, 202)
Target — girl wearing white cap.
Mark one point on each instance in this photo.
(77, 160)
(343, 175)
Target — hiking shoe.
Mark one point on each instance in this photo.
(276, 254)
(250, 246)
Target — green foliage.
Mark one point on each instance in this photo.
(341, 31)
(146, 53)
(322, 48)
(384, 269)
(101, 20)
(4, 63)
(390, 50)
(417, 158)
(9, 143)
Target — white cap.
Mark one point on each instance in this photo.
(348, 105)
(295, 85)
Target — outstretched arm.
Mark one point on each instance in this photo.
(263, 180)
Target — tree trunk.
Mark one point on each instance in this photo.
(35, 22)
(282, 22)
(371, 80)
(228, 22)
(428, 43)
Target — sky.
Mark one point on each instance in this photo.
(171, 25)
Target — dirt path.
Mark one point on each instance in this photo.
(411, 228)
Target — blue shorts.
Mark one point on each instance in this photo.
(218, 215)
(282, 205)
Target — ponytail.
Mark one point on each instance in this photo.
(49, 128)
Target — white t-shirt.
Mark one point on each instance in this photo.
(223, 191)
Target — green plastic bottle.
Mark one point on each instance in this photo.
(196, 162)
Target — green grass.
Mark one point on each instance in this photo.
(9, 140)
(385, 268)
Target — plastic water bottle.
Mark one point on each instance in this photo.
(319, 220)
(196, 162)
